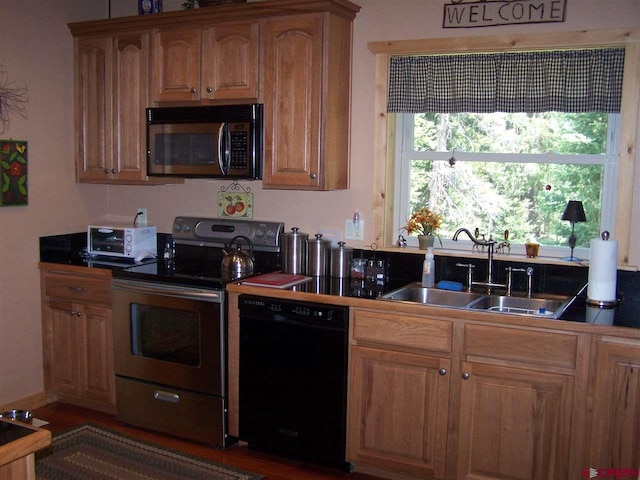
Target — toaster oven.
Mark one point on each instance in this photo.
(121, 241)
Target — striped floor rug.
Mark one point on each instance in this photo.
(96, 453)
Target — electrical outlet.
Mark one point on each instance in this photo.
(353, 231)
(141, 217)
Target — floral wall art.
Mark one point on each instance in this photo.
(13, 167)
(13, 153)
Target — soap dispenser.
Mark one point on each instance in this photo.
(429, 269)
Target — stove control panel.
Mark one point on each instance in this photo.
(265, 236)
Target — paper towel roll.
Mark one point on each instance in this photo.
(603, 270)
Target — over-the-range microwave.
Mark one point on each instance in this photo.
(207, 142)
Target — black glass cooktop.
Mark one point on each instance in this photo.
(194, 266)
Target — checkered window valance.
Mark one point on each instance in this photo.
(540, 81)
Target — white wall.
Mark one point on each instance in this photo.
(311, 211)
(36, 47)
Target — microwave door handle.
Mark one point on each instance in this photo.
(222, 149)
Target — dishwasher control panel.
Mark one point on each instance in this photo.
(287, 310)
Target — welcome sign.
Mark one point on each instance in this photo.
(462, 14)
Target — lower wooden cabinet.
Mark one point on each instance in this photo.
(399, 410)
(615, 423)
(432, 398)
(514, 423)
(77, 339)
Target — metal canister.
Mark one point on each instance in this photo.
(318, 256)
(341, 261)
(294, 252)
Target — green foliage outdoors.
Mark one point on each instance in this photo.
(528, 199)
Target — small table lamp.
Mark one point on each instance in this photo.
(574, 213)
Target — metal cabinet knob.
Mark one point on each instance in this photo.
(194, 90)
(465, 376)
(209, 89)
(113, 170)
(106, 170)
(442, 371)
(313, 176)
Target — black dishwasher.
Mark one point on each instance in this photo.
(293, 378)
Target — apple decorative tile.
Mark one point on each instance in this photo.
(235, 204)
(13, 166)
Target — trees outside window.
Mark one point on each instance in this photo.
(508, 171)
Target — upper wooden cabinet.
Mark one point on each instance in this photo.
(292, 56)
(212, 63)
(112, 92)
(307, 92)
(176, 64)
(93, 70)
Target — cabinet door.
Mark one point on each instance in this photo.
(615, 435)
(230, 55)
(96, 355)
(93, 60)
(514, 423)
(292, 93)
(176, 64)
(131, 98)
(398, 410)
(61, 336)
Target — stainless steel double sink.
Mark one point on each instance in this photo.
(543, 305)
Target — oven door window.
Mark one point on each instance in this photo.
(166, 334)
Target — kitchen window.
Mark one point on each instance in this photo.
(502, 141)
(515, 171)
(618, 149)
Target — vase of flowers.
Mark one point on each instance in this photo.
(425, 224)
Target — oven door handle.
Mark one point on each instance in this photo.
(214, 296)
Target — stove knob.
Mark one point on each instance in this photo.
(271, 234)
(259, 233)
(186, 228)
(177, 227)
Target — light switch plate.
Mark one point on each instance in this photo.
(353, 231)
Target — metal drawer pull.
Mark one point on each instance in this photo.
(166, 396)
(76, 289)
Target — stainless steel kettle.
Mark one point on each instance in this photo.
(236, 263)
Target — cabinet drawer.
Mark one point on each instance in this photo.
(531, 346)
(77, 288)
(402, 330)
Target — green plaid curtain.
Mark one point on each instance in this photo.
(540, 81)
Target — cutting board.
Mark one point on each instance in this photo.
(276, 280)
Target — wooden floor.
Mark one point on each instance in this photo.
(63, 417)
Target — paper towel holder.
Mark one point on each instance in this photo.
(574, 213)
(600, 303)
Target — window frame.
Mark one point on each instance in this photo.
(404, 155)
(626, 222)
